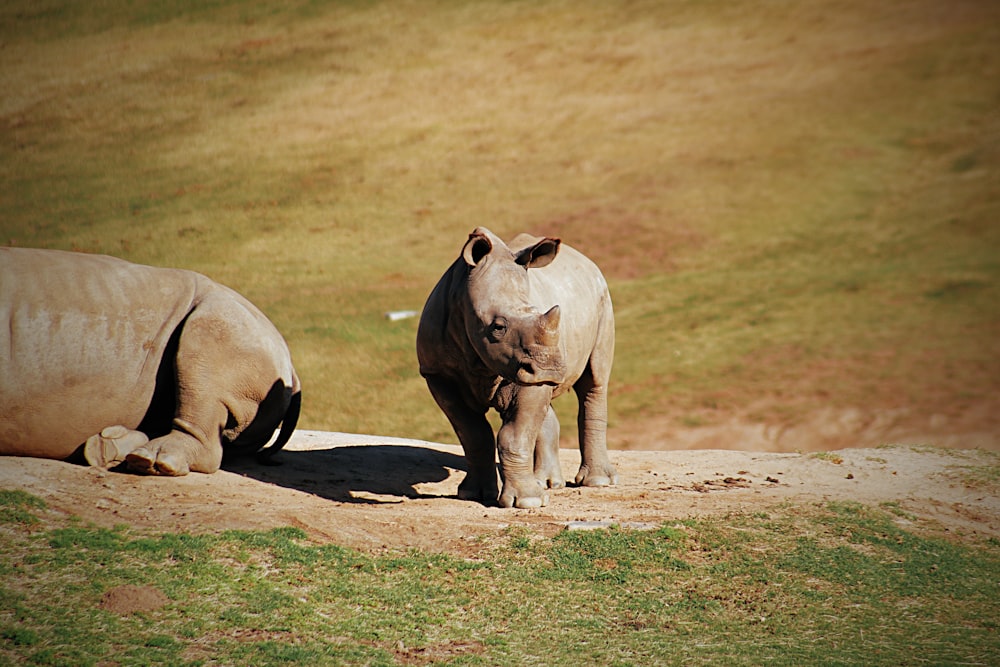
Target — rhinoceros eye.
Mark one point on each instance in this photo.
(498, 329)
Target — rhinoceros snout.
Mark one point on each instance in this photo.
(529, 373)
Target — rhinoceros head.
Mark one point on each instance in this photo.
(510, 335)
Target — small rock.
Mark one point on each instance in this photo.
(598, 525)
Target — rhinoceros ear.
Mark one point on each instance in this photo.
(539, 255)
(477, 247)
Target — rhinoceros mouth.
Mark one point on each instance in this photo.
(529, 375)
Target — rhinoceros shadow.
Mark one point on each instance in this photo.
(341, 473)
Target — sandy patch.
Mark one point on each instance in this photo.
(378, 493)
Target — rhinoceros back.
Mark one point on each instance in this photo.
(81, 339)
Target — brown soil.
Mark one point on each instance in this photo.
(377, 493)
(130, 599)
(760, 427)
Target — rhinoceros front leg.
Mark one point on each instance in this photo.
(476, 435)
(522, 422)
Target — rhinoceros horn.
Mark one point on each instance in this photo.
(548, 328)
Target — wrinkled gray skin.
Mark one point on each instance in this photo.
(156, 367)
(510, 328)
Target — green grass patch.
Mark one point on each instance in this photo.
(830, 583)
(16, 506)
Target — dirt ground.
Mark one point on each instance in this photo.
(951, 424)
(380, 493)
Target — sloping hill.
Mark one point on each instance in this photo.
(795, 202)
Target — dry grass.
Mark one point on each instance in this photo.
(796, 202)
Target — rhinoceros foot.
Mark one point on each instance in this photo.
(602, 474)
(525, 495)
(153, 461)
(173, 455)
(479, 488)
(548, 473)
(112, 445)
(551, 480)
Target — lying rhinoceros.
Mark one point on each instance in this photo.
(121, 362)
(511, 328)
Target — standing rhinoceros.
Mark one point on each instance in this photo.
(511, 327)
(156, 367)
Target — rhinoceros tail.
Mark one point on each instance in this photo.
(287, 427)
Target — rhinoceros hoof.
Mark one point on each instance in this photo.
(550, 477)
(602, 476)
(112, 445)
(551, 481)
(511, 497)
(472, 489)
(146, 461)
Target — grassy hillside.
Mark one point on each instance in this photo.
(796, 203)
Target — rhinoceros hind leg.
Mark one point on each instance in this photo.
(173, 455)
(592, 423)
(606, 477)
(547, 469)
(110, 447)
(212, 389)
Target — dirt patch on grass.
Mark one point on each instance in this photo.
(437, 653)
(786, 399)
(820, 430)
(381, 494)
(625, 244)
(131, 599)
